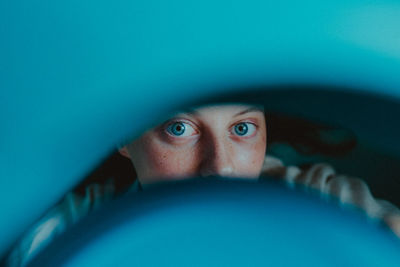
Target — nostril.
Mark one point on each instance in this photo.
(226, 171)
(206, 174)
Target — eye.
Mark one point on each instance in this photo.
(244, 129)
(180, 129)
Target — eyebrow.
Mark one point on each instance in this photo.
(252, 109)
(193, 111)
(190, 111)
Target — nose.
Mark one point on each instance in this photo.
(217, 158)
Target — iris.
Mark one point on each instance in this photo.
(177, 128)
(241, 128)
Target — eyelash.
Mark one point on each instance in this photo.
(169, 124)
(172, 123)
(254, 129)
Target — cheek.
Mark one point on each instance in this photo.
(250, 157)
(165, 161)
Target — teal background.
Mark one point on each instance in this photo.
(78, 77)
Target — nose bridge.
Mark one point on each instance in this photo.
(217, 157)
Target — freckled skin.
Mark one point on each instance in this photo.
(212, 148)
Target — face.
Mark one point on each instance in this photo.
(221, 140)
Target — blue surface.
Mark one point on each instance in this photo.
(77, 77)
(223, 223)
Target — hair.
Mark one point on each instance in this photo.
(115, 168)
(305, 136)
(309, 137)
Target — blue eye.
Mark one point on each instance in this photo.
(241, 128)
(180, 129)
(177, 128)
(244, 129)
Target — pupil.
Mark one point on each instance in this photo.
(178, 129)
(241, 129)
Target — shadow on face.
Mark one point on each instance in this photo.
(219, 139)
(223, 140)
(303, 129)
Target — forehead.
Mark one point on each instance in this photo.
(223, 109)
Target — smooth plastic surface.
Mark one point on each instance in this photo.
(223, 223)
(77, 77)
